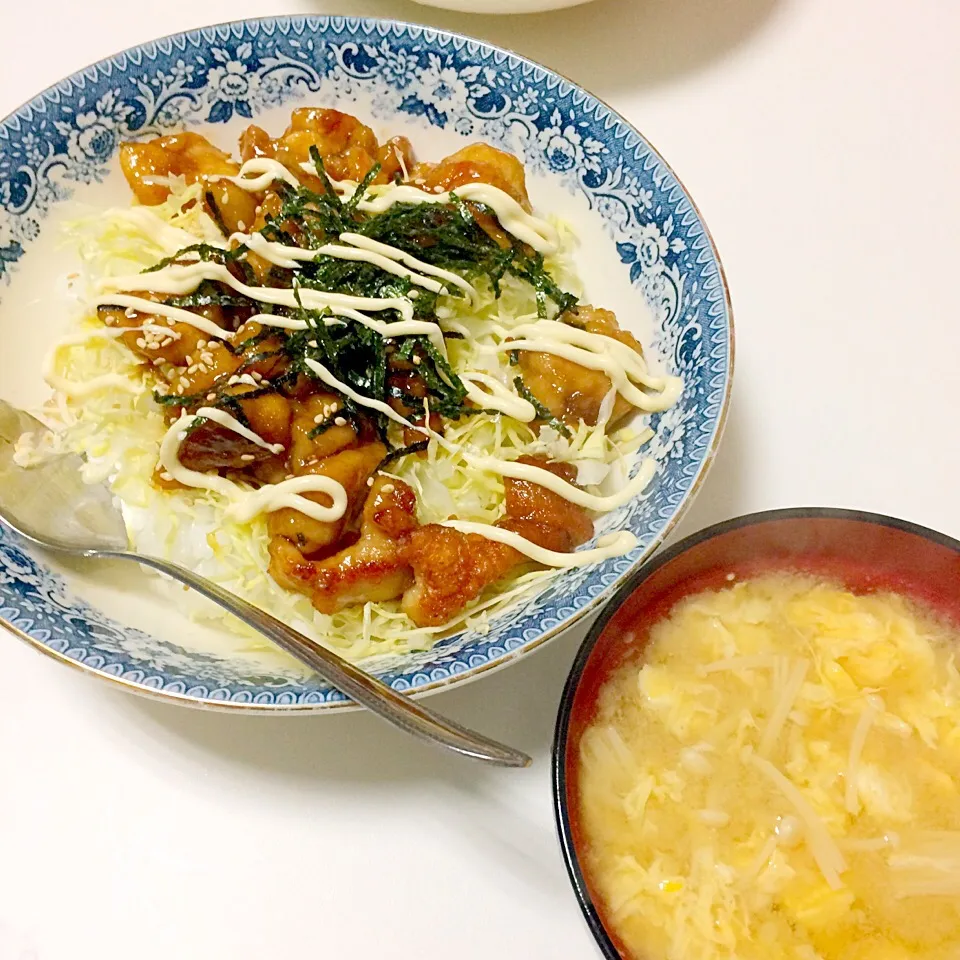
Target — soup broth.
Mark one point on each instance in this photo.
(778, 776)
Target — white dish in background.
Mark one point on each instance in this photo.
(501, 7)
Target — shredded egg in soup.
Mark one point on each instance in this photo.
(779, 777)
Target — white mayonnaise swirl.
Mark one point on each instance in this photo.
(245, 503)
(152, 308)
(258, 173)
(180, 280)
(283, 255)
(533, 231)
(625, 367)
(106, 381)
(496, 396)
(544, 478)
(609, 545)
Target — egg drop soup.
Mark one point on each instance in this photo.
(778, 776)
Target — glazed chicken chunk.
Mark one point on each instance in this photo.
(569, 391)
(254, 348)
(452, 568)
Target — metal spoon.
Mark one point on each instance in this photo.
(51, 506)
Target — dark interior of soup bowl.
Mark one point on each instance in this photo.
(865, 551)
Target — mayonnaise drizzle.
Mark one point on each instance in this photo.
(246, 504)
(397, 328)
(142, 305)
(180, 280)
(505, 468)
(286, 493)
(231, 423)
(106, 381)
(595, 351)
(528, 229)
(497, 396)
(609, 545)
(559, 486)
(264, 170)
(513, 218)
(537, 233)
(331, 381)
(395, 253)
(291, 257)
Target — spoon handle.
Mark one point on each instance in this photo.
(376, 696)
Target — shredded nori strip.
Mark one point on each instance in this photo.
(322, 172)
(177, 399)
(417, 447)
(256, 358)
(204, 251)
(542, 412)
(443, 235)
(254, 340)
(351, 205)
(215, 214)
(209, 293)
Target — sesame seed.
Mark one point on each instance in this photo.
(369, 481)
(201, 344)
(159, 361)
(413, 294)
(340, 422)
(207, 357)
(319, 418)
(188, 359)
(312, 343)
(130, 312)
(192, 368)
(241, 226)
(202, 368)
(247, 457)
(234, 379)
(141, 343)
(152, 346)
(166, 342)
(416, 361)
(387, 488)
(211, 396)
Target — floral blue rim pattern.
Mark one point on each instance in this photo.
(69, 134)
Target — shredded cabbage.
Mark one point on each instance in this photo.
(119, 433)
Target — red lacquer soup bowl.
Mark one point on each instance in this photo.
(865, 551)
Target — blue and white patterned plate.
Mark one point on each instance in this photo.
(641, 238)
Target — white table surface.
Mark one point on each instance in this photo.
(819, 138)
